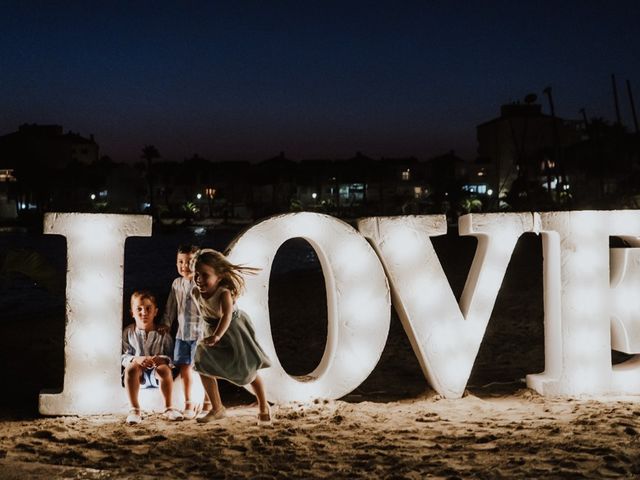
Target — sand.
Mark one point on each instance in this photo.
(392, 426)
(482, 436)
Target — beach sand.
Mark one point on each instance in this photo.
(392, 426)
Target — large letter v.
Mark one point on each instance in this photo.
(445, 336)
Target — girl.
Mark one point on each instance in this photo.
(229, 349)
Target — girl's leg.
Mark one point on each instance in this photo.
(166, 384)
(258, 388)
(210, 385)
(132, 382)
(206, 402)
(218, 411)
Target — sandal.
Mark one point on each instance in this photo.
(189, 413)
(172, 414)
(211, 416)
(134, 417)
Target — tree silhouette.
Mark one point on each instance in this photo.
(150, 153)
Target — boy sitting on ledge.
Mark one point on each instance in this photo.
(146, 357)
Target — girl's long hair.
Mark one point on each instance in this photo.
(231, 275)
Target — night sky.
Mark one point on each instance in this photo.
(246, 80)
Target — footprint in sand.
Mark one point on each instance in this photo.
(44, 434)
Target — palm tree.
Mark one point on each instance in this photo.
(150, 153)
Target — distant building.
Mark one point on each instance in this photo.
(8, 207)
(38, 155)
(45, 145)
(360, 185)
(448, 175)
(273, 185)
(605, 164)
(525, 144)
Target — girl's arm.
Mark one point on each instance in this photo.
(226, 302)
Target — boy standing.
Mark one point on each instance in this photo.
(146, 357)
(181, 306)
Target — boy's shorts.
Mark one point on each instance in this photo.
(184, 351)
(148, 379)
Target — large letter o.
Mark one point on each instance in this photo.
(358, 303)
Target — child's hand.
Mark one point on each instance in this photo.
(211, 341)
(145, 362)
(162, 329)
(158, 360)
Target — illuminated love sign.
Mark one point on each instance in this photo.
(358, 304)
(93, 332)
(591, 300)
(445, 336)
(580, 301)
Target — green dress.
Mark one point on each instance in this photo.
(237, 357)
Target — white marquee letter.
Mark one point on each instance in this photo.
(93, 331)
(625, 315)
(445, 337)
(358, 304)
(579, 313)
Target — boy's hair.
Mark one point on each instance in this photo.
(231, 275)
(144, 294)
(187, 248)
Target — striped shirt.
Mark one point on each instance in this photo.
(180, 305)
(138, 343)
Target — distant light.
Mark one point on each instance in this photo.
(199, 196)
(23, 205)
(490, 192)
(565, 186)
(480, 174)
(314, 195)
(93, 196)
(551, 185)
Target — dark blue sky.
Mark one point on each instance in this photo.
(245, 80)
